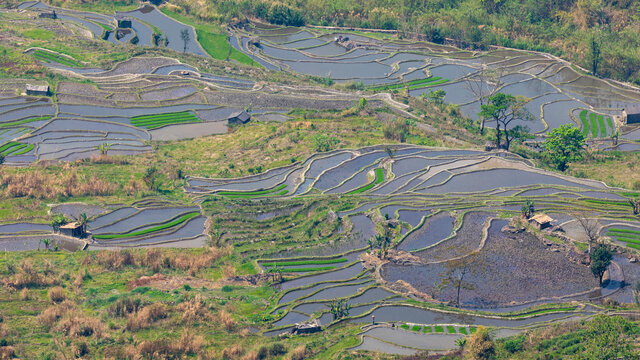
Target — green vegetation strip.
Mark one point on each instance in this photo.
(545, 311)
(401, 85)
(156, 120)
(439, 329)
(252, 193)
(603, 127)
(309, 269)
(305, 262)
(47, 56)
(594, 125)
(463, 331)
(416, 328)
(610, 123)
(24, 121)
(427, 329)
(624, 230)
(378, 180)
(14, 148)
(404, 326)
(173, 223)
(451, 329)
(585, 122)
(439, 82)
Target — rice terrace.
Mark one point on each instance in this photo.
(253, 179)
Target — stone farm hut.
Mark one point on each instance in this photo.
(37, 90)
(541, 221)
(72, 229)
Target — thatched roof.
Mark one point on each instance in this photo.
(43, 88)
(541, 219)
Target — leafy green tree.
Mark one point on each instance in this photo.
(504, 109)
(323, 142)
(82, 221)
(151, 178)
(435, 97)
(528, 209)
(339, 308)
(595, 55)
(456, 271)
(480, 346)
(600, 259)
(564, 145)
(57, 221)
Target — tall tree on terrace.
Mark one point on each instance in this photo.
(504, 109)
(564, 145)
(483, 85)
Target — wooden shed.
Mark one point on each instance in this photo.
(307, 327)
(72, 229)
(240, 117)
(541, 221)
(42, 90)
(631, 114)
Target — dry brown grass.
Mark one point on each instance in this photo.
(225, 319)
(80, 325)
(6, 352)
(24, 294)
(164, 349)
(299, 353)
(114, 260)
(27, 276)
(156, 259)
(39, 185)
(56, 294)
(146, 317)
(52, 314)
(232, 353)
(252, 355)
(193, 310)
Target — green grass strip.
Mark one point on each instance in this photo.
(606, 202)
(633, 246)
(451, 329)
(472, 330)
(439, 329)
(427, 329)
(378, 180)
(28, 149)
(24, 121)
(404, 326)
(439, 82)
(585, 122)
(251, 193)
(401, 85)
(305, 262)
(45, 55)
(416, 328)
(154, 121)
(8, 146)
(309, 269)
(544, 311)
(628, 240)
(463, 331)
(159, 116)
(13, 149)
(610, 123)
(603, 127)
(175, 222)
(622, 233)
(625, 230)
(594, 125)
(624, 237)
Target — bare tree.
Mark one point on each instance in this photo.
(635, 204)
(456, 272)
(484, 84)
(184, 35)
(590, 227)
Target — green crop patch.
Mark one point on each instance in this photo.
(15, 148)
(593, 122)
(603, 126)
(173, 223)
(427, 329)
(250, 194)
(585, 122)
(451, 329)
(405, 326)
(24, 121)
(158, 120)
(439, 329)
(409, 84)
(308, 269)
(463, 331)
(629, 231)
(305, 262)
(416, 328)
(49, 57)
(379, 179)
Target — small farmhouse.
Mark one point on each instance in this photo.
(541, 221)
(42, 90)
(631, 114)
(240, 117)
(72, 229)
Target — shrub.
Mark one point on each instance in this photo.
(515, 344)
(56, 294)
(299, 353)
(323, 142)
(146, 317)
(233, 352)
(479, 346)
(396, 130)
(226, 320)
(114, 260)
(78, 325)
(193, 309)
(52, 314)
(124, 306)
(277, 349)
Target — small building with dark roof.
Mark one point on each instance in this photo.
(631, 114)
(42, 90)
(72, 229)
(239, 117)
